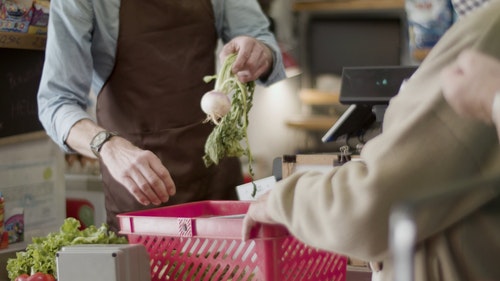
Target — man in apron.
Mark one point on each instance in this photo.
(150, 133)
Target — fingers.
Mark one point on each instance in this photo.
(248, 224)
(152, 180)
(254, 58)
(257, 213)
(161, 178)
(139, 171)
(146, 188)
(131, 185)
(250, 64)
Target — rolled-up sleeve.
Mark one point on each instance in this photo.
(67, 73)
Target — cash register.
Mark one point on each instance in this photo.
(367, 91)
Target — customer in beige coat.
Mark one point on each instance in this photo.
(425, 146)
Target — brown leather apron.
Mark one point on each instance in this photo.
(152, 98)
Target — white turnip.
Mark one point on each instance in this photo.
(228, 105)
(216, 105)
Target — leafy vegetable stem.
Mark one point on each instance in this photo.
(244, 96)
(228, 81)
(225, 140)
(225, 72)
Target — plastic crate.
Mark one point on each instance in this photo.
(202, 241)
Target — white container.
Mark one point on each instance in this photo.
(103, 262)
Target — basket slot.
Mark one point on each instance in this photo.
(207, 248)
(306, 263)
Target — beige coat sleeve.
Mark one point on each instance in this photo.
(424, 146)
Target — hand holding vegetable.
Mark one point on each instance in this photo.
(227, 106)
(254, 60)
(245, 60)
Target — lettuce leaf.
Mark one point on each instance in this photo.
(40, 255)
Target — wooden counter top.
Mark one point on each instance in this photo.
(347, 5)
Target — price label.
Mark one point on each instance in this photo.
(249, 191)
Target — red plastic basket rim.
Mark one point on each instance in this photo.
(210, 219)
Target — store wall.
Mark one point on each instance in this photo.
(32, 183)
(268, 134)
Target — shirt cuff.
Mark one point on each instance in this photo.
(65, 122)
(278, 70)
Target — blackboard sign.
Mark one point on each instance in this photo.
(20, 73)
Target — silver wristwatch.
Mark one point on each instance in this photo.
(99, 140)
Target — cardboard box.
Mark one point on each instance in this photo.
(306, 162)
(16, 15)
(14, 225)
(4, 236)
(41, 10)
(38, 30)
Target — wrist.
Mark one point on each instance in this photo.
(99, 140)
(271, 55)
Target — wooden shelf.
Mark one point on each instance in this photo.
(14, 247)
(347, 5)
(23, 137)
(317, 97)
(28, 41)
(312, 123)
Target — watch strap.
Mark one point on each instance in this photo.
(99, 140)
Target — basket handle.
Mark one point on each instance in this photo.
(185, 227)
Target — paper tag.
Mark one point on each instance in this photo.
(246, 190)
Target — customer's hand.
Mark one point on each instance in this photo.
(256, 213)
(140, 171)
(254, 60)
(470, 84)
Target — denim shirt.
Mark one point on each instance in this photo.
(81, 46)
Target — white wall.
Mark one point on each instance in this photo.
(268, 134)
(32, 178)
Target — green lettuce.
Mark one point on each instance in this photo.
(40, 255)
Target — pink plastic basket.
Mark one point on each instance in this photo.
(202, 241)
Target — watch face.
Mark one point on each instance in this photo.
(100, 137)
(98, 141)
